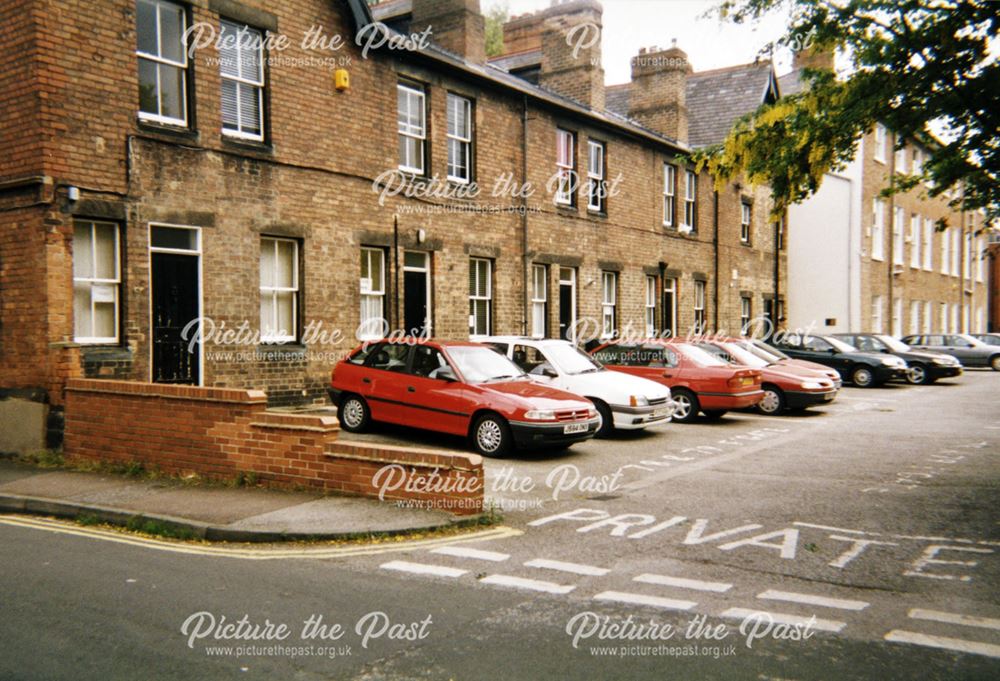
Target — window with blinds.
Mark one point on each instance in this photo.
(241, 66)
(480, 296)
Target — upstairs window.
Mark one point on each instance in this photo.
(880, 142)
(690, 200)
(745, 215)
(565, 168)
(241, 63)
(669, 190)
(412, 127)
(459, 139)
(163, 62)
(596, 186)
(878, 230)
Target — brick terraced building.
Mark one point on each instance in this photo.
(250, 182)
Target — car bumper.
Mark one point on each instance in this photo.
(800, 399)
(883, 374)
(538, 434)
(633, 418)
(740, 400)
(936, 371)
(334, 395)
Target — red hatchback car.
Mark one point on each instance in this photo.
(459, 388)
(698, 381)
(785, 387)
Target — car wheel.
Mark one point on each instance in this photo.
(716, 414)
(862, 377)
(354, 414)
(686, 406)
(607, 419)
(917, 375)
(773, 401)
(491, 436)
(995, 362)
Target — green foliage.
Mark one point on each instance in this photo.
(914, 63)
(157, 528)
(496, 17)
(45, 458)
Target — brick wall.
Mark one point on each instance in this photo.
(219, 433)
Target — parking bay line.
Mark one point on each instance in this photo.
(810, 599)
(955, 644)
(683, 583)
(574, 568)
(642, 599)
(954, 618)
(529, 584)
(478, 554)
(783, 618)
(423, 569)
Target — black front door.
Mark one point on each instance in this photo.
(565, 310)
(415, 302)
(175, 306)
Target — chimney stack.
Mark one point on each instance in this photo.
(571, 51)
(658, 92)
(456, 25)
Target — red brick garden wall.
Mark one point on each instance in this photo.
(219, 433)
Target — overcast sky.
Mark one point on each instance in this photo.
(631, 24)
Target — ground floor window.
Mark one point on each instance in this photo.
(373, 322)
(539, 300)
(650, 306)
(96, 281)
(699, 306)
(609, 304)
(480, 297)
(279, 289)
(746, 308)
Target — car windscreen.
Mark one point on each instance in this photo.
(744, 356)
(765, 351)
(699, 356)
(570, 359)
(893, 344)
(481, 364)
(839, 345)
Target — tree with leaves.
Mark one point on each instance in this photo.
(916, 65)
(496, 17)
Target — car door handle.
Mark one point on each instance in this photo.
(668, 375)
(411, 389)
(366, 380)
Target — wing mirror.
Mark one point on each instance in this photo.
(549, 372)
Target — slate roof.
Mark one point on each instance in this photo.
(791, 83)
(716, 99)
(616, 98)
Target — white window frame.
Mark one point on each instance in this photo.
(609, 304)
(915, 241)
(375, 291)
(539, 300)
(876, 314)
(944, 317)
(669, 194)
(650, 308)
(161, 61)
(956, 251)
(915, 307)
(878, 229)
(565, 166)
(746, 312)
(898, 236)
(595, 176)
(896, 322)
(928, 320)
(699, 305)
(273, 291)
(928, 245)
(256, 82)
(899, 161)
(670, 286)
(413, 94)
(917, 166)
(746, 216)
(880, 142)
(690, 216)
(459, 140)
(92, 281)
(476, 298)
(980, 257)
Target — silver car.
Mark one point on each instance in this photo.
(965, 348)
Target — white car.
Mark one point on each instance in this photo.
(624, 402)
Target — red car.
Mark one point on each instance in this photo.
(698, 381)
(768, 352)
(459, 388)
(785, 387)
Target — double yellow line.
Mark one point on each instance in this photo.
(251, 552)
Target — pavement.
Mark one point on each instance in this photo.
(212, 513)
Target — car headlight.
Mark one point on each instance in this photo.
(638, 401)
(540, 415)
(811, 385)
(592, 414)
(886, 361)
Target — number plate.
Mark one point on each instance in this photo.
(575, 428)
(660, 413)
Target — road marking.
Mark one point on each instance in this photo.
(423, 569)
(683, 583)
(642, 599)
(241, 551)
(833, 529)
(955, 618)
(956, 644)
(783, 618)
(529, 584)
(810, 599)
(575, 568)
(462, 552)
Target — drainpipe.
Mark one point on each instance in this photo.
(525, 265)
(715, 243)
(777, 275)
(891, 255)
(395, 271)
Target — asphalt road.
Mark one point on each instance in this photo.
(875, 515)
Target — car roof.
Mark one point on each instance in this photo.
(415, 340)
